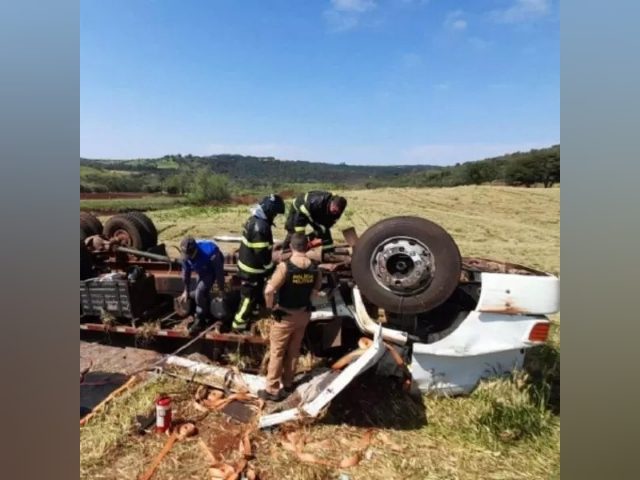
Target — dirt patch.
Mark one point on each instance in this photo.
(244, 200)
(104, 368)
(221, 435)
(109, 195)
(110, 359)
(287, 193)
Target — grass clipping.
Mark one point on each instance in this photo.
(109, 448)
(504, 430)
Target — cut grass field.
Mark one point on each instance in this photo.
(509, 428)
(144, 202)
(520, 225)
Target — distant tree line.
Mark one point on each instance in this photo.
(536, 167)
(182, 175)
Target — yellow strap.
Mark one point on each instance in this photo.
(249, 269)
(255, 245)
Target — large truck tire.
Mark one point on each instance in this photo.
(90, 224)
(148, 225)
(406, 265)
(129, 231)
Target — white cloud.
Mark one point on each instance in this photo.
(344, 15)
(455, 21)
(479, 43)
(340, 22)
(353, 5)
(449, 154)
(414, 2)
(459, 24)
(522, 11)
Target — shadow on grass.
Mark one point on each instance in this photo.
(96, 386)
(542, 365)
(376, 401)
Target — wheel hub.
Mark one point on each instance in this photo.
(123, 237)
(403, 265)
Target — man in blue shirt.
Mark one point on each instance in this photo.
(207, 260)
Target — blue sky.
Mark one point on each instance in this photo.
(355, 81)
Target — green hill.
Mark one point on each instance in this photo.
(247, 173)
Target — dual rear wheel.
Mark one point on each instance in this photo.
(133, 229)
(406, 265)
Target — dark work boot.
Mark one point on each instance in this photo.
(264, 395)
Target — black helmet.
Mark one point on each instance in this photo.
(188, 246)
(337, 205)
(272, 205)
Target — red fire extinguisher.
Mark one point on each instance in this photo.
(163, 413)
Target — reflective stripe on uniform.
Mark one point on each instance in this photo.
(295, 206)
(267, 267)
(303, 207)
(249, 269)
(255, 245)
(300, 229)
(304, 210)
(327, 247)
(243, 309)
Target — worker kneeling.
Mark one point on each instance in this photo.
(206, 259)
(294, 282)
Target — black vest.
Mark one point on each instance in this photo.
(296, 291)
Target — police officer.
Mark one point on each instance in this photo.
(294, 282)
(321, 210)
(254, 260)
(207, 260)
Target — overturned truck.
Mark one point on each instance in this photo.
(453, 320)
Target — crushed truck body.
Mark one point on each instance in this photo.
(451, 320)
(313, 395)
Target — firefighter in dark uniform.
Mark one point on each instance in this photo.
(321, 210)
(254, 260)
(294, 282)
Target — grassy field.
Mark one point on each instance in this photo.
(507, 429)
(520, 225)
(147, 203)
